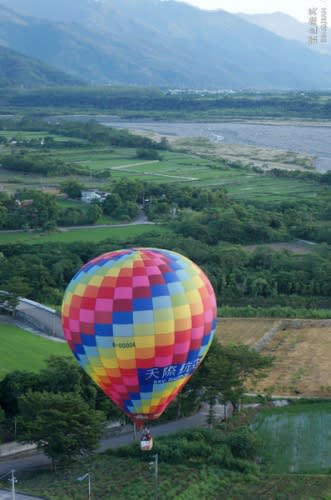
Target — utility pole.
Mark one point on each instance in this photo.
(89, 486)
(155, 463)
(88, 476)
(13, 481)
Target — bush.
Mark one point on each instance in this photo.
(243, 443)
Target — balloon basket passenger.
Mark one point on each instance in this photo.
(146, 440)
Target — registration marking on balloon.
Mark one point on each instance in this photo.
(140, 321)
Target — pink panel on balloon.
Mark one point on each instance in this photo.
(86, 316)
(123, 293)
(197, 332)
(104, 304)
(163, 361)
(140, 281)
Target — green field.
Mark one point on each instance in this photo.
(69, 236)
(296, 438)
(174, 167)
(21, 350)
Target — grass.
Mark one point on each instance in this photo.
(296, 438)
(264, 188)
(21, 350)
(69, 236)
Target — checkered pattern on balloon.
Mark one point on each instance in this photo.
(140, 321)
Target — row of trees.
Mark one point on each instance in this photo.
(146, 101)
(90, 132)
(39, 163)
(240, 277)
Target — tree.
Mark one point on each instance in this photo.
(72, 188)
(12, 387)
(41, 210)
(63, 426)
(148, 154)
(93, 213)
(2, 418)
(112, 204)
(225, 370)
(62, 374)
(3, 216)
(129, 190)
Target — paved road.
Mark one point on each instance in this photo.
(139, 221)
(6, 495)
(31, 460)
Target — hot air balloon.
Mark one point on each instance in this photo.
(140, 321)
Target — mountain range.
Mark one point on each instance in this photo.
(163, 43)
(287, 27)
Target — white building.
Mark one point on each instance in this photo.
(93, 195)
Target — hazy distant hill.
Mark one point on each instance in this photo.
(17, 70)
(287, 27)
(149, 42)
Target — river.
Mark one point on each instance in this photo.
(300, 138)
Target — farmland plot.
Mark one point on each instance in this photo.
(297, 438)
(302, 362)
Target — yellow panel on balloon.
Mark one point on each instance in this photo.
(197, 308)
(146, 353)
(127, 353)
(197, 281)
(162, 315)
(182, 312)
(183, 324)
(155, 400)
(109, 362)
(100, 372)
(113, 271)
(144, 341)
(165, 339)
(96, 280)
(94, 362)
(80, 289)
(127, 364)
(193, 296)
(106, 353)
(143, 329)
(145, 407)
(164, 327)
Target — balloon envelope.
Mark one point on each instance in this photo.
(140, 321)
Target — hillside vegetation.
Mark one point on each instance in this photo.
(20, 71)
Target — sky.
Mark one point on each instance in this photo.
(295, 8)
